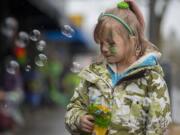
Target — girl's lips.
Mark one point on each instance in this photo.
(108, 56)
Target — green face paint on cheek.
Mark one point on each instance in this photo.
(112, 49)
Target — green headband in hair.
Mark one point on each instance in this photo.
(122, 5)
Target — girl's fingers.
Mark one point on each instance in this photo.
(89, 123)
(86, 124)
(90, 117)
(87, 128)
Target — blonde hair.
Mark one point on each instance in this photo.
(130, 17)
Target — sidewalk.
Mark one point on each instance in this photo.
(50, 121)
(175, 104)
(45, 121)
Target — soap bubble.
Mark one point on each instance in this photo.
(9, 27)
(35, 35)
(68, 31)
(41, 60)
(76, 68)
(12, 67)
(28, 68)
(22, 39)
(41, 45)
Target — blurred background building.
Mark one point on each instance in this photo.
(44, 44)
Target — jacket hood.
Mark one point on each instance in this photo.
(108, 72)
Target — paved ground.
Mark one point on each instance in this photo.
(45, 121)
(50, 121)
(176, 104)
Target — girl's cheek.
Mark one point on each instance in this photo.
(112, 50)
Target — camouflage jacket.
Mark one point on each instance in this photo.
(139, 102)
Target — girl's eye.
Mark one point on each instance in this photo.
(111, 44)
(101, 43)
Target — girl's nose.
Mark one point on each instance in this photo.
(104, 49)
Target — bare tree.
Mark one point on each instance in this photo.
(157, 9)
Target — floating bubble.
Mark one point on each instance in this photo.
(9, 27)
(12, 67)
(76, 68)
(28, 68)
(68, 31)
(35, 35)
(41, 60)
(41, 45)
(22, 40)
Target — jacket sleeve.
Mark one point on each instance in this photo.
(76, 108)
(159, 112)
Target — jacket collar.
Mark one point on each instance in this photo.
(99, 71)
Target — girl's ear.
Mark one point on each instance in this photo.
(133, 40)
(134, 44)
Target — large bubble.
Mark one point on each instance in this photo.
(35, 35)
(41, 60)
(68, 31)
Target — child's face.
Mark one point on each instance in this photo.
(113, 47)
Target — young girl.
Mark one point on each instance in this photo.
(129, 80)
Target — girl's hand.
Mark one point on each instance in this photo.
(86, 123)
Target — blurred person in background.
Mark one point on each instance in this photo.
(53, 94)
(11, 88)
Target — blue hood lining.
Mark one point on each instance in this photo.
(116, 77)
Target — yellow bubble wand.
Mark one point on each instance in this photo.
(102, 115)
